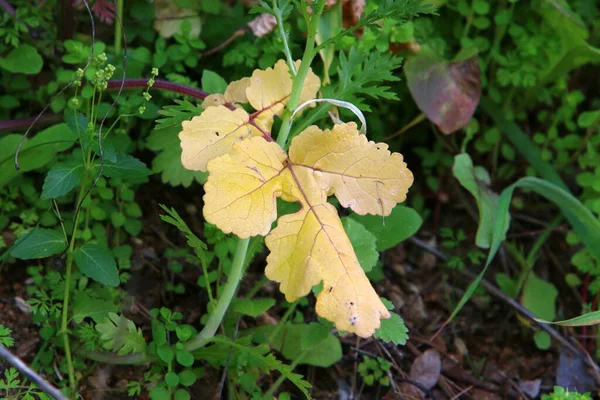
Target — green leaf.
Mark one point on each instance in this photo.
(401, 224)
(98, 263)
(198, 245)
(574, 50)
(24, 59)
(5, 339)
(270, 362)
(168, 160)
(184, 358)
(393, 330)
(174, 115)
(85, 306)
(212, 82)
(165, 353)
(585, 224)
(120, 334)
(330, 24)
(542, 340)
(126, 167)
(181, 394)
(310, 344)
(363, 242)
(171, 379)
(61, 179)
(477, 180)
(252, 307)
(160, 393)
(187, 378)
(539, 297)
(35, 153)
(39, 243)
(591, 318)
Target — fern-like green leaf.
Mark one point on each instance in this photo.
(121, 335)
(193, 241)
(270, 363)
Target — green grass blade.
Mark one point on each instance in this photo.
(591, 318)
(585, 224)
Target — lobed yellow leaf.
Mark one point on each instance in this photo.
(269, 90)
(212, 134)
(236, 91)
(310, 246)
(363, 175)
(213, 100)
(242, 187)
(223, 122)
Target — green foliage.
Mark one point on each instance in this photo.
(120, 334)
(39, 243)
(401, 224)
(5, 339)
(373, 371)
(24, 59)
(561, 393)
(165, 142)
(98, 263)
(11, 385)
(534, 106)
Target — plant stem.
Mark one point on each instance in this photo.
(118, 32)
(281, 29)
(65, 308)
(309, 54)
(282, 378)
(216, 316)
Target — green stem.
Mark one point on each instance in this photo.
(235, 276)
(118, 32)
(282, 322)
(281, 29)
(309, 54)
(65, 308)
(282, 378)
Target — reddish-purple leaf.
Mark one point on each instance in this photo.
(447, 92)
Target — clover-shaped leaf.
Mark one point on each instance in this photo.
(310, 246)
(222, 124)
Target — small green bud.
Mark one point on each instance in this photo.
(142, 109)
(146, 96)
(74, 103)
(151, 82)
(79, 73)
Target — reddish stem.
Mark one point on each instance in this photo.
(24, 123)
(142, 83)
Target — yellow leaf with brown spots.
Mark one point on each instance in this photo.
(310, 246)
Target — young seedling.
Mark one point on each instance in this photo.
(248, 171)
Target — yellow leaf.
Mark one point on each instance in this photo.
(270, 90)
(222, 124)
(212, 134)
(362, 174)
(236, 91)
(310, 246)
(242, 187)
(213, 100)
